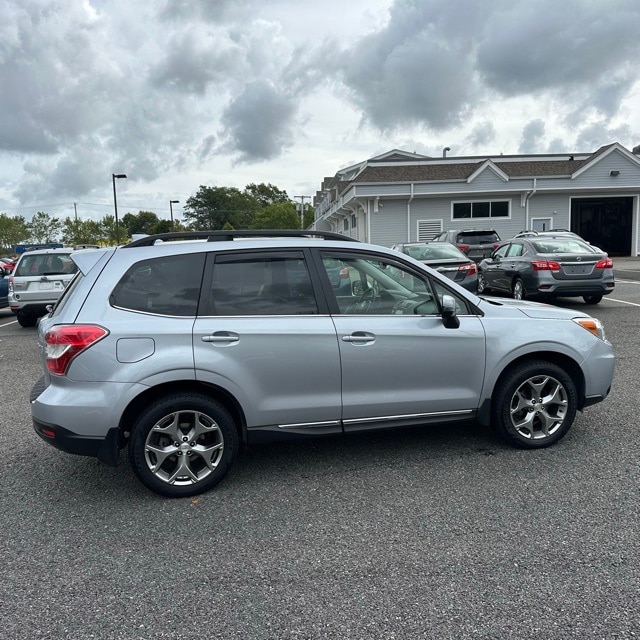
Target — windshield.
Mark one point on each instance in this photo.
(562, 245)
(45, 264)
(435, 251)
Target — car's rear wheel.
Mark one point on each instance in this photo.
(592, 299)
(534, 404)
(27, 321)
(182, 445)
(517, 290)
(482, 283)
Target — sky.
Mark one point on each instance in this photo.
(178, 94)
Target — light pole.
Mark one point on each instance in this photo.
(171, 203)
(115, 202)
(302, 199)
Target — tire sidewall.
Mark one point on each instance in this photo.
(157, 411)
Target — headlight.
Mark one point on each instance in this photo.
(593, 325)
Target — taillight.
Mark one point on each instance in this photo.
(344, 273)
(10, 283)
(470, 268)
(496, 245)
(64, 342)
(463, 247)
(545, 265)
(607, 263)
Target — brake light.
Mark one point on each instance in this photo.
(64, 342)
(464, 247)
(10, 283)
(496, 245)
(344, 273)
(470, 268)
(545, 265)
(607, 263)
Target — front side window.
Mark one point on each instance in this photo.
(368, 285)
(261, 285)
(167, 285)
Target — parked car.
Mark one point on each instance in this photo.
(182, 350)
(445, 258)
(548, 266)
(474, 243)
(38, 280)
(4, 292)
(6, 266)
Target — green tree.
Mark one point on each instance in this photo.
(13, 231)
(108, 231)
(43, 228)
(281, 215)
(266, 194)
(142, 222)
(81, 232)
(213, 207)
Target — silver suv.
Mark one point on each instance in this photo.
(38, 280)
(182, 350)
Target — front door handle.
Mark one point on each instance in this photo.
(360, 337)
(221, 337)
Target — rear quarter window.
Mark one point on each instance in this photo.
(167, 285)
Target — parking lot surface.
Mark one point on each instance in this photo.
(433, 532)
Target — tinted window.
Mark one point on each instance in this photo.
(167, 285)
(478, 237)
(45, 264)
(261, 286)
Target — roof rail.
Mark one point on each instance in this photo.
(223, 236)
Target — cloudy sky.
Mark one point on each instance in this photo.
(182, 93)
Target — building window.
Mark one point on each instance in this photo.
(353, 222)
(345, 224)
(481, 209)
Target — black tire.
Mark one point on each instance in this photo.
(183, 445)
(592, 299)
(27, 321)
(482, 283)
(517, 289)
(519, 416)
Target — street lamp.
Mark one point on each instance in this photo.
(302, 199)
(114, 176)
(171, 203)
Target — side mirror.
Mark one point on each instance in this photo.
(449, 316)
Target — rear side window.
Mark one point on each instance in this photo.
(167, 285)
(260, 285)
(45, 264)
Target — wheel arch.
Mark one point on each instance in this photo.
(565, 362)
(153, 394)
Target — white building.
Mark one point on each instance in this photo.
(406, 197)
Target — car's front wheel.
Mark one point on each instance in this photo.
(592, 299)
(182, 445)
(534, 404)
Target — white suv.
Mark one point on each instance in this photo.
(37, 281)
(181, 351)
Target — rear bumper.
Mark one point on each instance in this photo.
(106, 449)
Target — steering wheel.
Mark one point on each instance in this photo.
(366, 300)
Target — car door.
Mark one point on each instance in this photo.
(264, 336)
(400, 364)
(493, 269)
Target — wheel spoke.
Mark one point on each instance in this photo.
(526, 422)
(183, 469)
(523, 402)
(160, 453)
(207, 454)
(170, 427)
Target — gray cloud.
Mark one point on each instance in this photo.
(532, 137)
(482, 136)
(258, 122)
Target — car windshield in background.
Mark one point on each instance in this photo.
(562, 245)
(471, 237)
(45, 264)
(432, 251)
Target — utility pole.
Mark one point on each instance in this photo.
(302, 199)
(75, 209)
